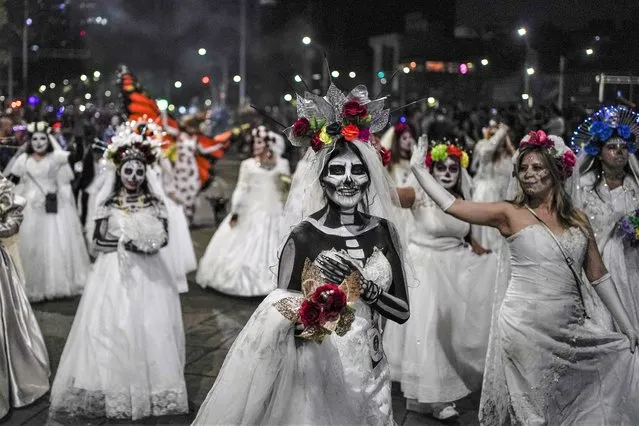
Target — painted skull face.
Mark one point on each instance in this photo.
(614, 153)
(406, 144)
(346, 180)
(260, 140)
(132, 175)
(534, 176)
(446, 172)
(40, 142)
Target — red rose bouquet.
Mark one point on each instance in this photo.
(323, 309)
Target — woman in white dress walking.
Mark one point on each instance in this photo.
(240, 254)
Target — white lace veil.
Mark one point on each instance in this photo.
(306, 196)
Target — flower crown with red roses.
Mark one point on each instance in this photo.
(323, 120)
(553, 145)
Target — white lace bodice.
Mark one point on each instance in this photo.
(604, 207)
(50, 172)
(258, 188)
(433, 227)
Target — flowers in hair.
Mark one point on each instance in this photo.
(601, 132)
(442, 151)
(537, 138)
(554, 146)
(134, 140)
(355, 125)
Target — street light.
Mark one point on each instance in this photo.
(43, 88)
(589, 51)
(525, 96)
(297, 78)
(237, 78)
(530, 70)
(201, 51)
(83, 77)
(335, 74)
(87, 96)
(406, 70)
(177, 84)
(484, 62)
(522, 31)
(52, 85)
(352, 74)
(306, 40)
(288, 97)
(96, 74)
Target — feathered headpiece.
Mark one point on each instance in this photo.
(135, 140)
(322, 120)
(606, 123)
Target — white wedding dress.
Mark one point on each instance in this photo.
(124, 357)
(238, 260)
(439, 354)
(52, 245)
(546, 363)
(605, 208)
(490, 184)
(270, 377)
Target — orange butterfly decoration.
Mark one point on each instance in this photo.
(140, 106)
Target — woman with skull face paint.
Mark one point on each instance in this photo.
(124, 357)
(230, 265)
(339, 217)
(438, 357)
(548, 362)
(51, 236)
(608, 192)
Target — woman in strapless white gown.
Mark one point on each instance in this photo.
(547, 362)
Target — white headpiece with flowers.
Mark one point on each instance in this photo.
(554, 145)
(322, 120)
(138, 140)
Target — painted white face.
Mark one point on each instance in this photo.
(406, 144)
(39, 142)
(132, 175)
(614, 153)
(259, 146)
(446, 172)
(346, 181)
(115, 121)
(534, 176)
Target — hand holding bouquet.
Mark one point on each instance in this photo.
(324, 308)
(628, 227)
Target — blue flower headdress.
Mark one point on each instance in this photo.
(606, 123)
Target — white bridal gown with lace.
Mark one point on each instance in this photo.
(270, 377)
(546, 363)
(238, 259)
(124, 357)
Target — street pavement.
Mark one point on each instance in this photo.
(211, 322)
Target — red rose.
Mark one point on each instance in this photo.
(568, 162)
(331, 299)
(454, 151)
(386, 156)
(400, 128)
(350, 132)
(301, 127)
(354, 109)
(316, 142)
(310, 313)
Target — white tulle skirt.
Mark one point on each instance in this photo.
(124, 357)
(271, 378)
(53, 250)
(439, 354)
(239, 260)
(179, 254)
(622, 260)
